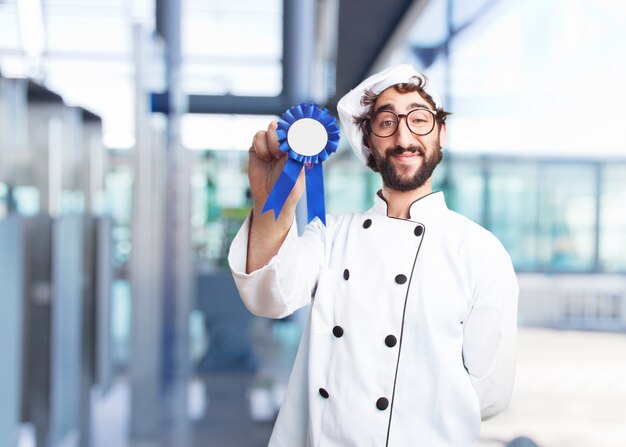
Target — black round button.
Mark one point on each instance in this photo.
(391, 341)
(367, 223)
(338, 331)
(382, 403)
(400, 279)
(346, 274)
(324, 393)
(419, 230)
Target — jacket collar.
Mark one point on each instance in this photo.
(422, 210)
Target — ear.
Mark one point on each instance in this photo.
(442, 135)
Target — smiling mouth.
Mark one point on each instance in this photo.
(410, 152)
(407, 154)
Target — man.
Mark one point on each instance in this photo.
(411, 335)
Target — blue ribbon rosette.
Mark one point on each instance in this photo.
(309, 134)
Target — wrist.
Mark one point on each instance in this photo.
(266, 224)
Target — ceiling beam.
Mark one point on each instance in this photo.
(367, 31)
(399, 35)
(365, 27)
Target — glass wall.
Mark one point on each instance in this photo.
(557, 216)
(612, 234)
(512, 209)
(551, 215)
(566, 217)
(348, 186)
(464, 184)
(560, 216)
(220, 202)
(119, 194)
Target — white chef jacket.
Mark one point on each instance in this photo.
(411, 334)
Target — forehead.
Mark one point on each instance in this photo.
(391, 99)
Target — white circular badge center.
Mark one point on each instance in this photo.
(307, 136)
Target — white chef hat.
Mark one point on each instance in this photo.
(350, 105)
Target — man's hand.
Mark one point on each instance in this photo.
(265, 164)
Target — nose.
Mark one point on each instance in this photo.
(403, 136)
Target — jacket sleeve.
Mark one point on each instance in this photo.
(287, 281)
(490, 331)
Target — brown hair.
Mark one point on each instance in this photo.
(415, 84)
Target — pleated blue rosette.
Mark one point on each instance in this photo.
(307, 147)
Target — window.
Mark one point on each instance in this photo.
(613, 219)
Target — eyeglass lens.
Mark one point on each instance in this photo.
(385, 123)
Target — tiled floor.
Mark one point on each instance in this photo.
(570, 392)
(227, 420)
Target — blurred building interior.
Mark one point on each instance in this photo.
(124, 131)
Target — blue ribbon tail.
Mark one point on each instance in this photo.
(285, 183)
(315, 193)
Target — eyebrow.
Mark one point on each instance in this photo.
(412, 106)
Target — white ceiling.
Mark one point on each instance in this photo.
(229, 46)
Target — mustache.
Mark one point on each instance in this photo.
(399, 150)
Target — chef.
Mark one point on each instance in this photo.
(411, 334)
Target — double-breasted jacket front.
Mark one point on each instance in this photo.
(411, 334)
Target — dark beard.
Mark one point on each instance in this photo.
(393, 180)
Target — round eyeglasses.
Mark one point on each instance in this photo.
(419, 121)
